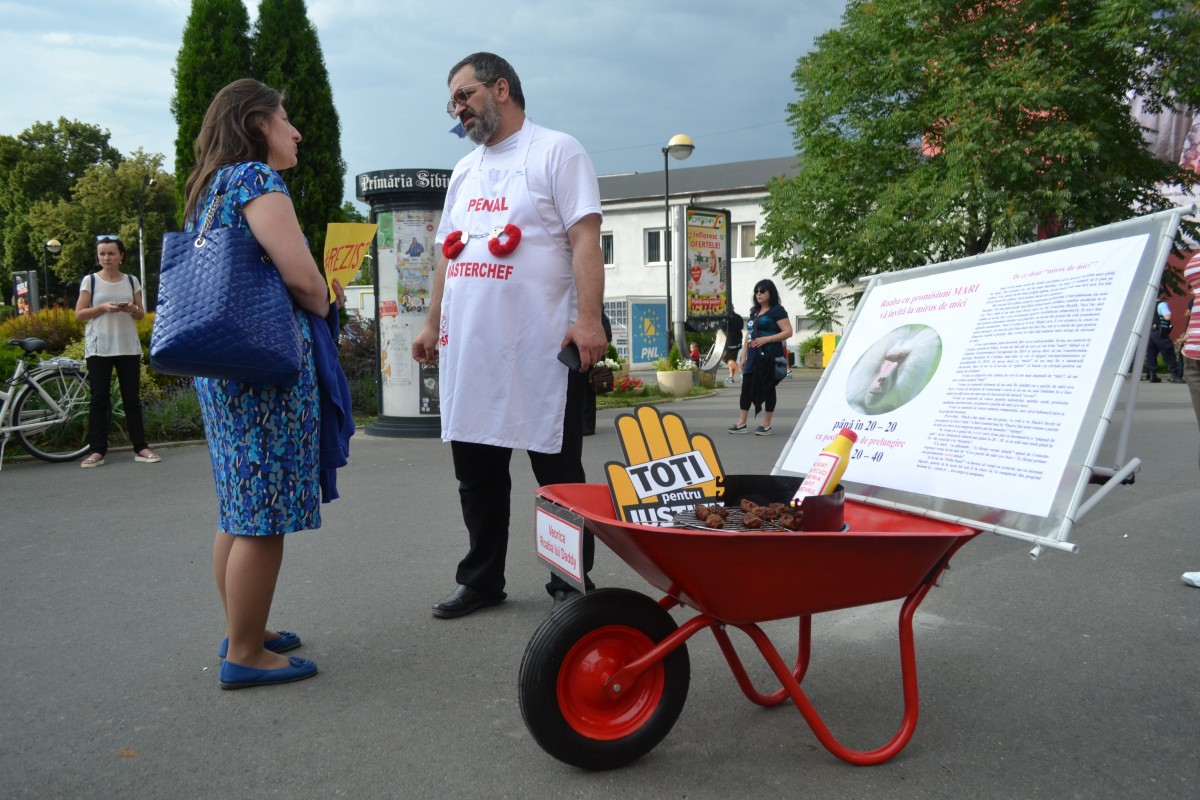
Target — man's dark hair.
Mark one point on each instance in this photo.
(490, 68)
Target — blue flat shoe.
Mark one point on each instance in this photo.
(286, 640)
(235, 676)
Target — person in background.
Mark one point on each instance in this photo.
(109, 302)
(694, 354)
(267, 443)
(502, 307)
(1191, 360)
(733, 343)
(1159, 343)
(766, 331)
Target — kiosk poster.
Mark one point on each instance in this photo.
(971, 384)
(666, 469)
(707, 267)
(21, 294)
(345, 245)
(415, 258)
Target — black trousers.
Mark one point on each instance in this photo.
(485, 491)
(1159, 345)
(589, 410)
(100, 371)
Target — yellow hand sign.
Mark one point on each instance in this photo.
(666, 470)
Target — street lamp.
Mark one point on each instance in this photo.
(50, 248)
(147, 182)
(679, 147)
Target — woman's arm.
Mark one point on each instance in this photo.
(137, 310)
(85, 311)
(272, 220)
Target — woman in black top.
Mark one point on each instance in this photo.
(766, 330)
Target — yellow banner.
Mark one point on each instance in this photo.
(345, 245)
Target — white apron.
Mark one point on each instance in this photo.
(503, 317)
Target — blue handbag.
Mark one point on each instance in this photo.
(223, 310)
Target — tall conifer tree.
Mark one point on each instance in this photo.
(215, 51)
(287, 56)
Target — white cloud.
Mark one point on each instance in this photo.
(621, 76)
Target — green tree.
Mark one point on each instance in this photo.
(107, 200)
(287, 56)
(42, 163)
(215, 51)
(934, 129)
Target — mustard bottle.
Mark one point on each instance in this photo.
(829, 467)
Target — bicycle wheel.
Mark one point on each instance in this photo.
(62, 436)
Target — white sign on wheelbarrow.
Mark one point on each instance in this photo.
(560, 540)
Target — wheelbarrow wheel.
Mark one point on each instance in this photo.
(564, 698)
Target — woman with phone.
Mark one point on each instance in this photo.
(110, 301)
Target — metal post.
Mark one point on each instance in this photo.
(147, 182)
(45, 278)
(680, 146)
(666, 237)
(142, 260)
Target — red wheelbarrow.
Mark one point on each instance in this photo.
(605, 677)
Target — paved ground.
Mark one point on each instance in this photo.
(1070, 677)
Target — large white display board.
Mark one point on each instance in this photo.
(981, 389)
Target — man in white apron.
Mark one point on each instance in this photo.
(521, 276)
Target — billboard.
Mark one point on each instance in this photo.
(707, 263)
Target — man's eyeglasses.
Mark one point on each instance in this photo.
(105, 238)
(461, 97)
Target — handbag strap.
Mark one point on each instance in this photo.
(212, 209)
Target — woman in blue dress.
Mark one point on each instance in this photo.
(263, 440)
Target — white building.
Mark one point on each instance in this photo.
(634, 220)
(632, 239)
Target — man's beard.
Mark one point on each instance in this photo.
(486, 123)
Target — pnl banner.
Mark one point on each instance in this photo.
(647, 331)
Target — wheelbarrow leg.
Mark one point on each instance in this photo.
(908, 670)
(743, 679)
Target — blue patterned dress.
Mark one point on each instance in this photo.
(263, 440)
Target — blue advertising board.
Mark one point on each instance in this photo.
(647, 331)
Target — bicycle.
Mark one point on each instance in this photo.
(44, 405)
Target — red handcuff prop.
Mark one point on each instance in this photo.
(456, 241)
(453, 245)
(498, 248)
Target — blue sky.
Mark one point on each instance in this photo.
(622, 76)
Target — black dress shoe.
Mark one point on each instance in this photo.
(563, 595)
(463, 600)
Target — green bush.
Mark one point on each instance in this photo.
(360, 362)
(9, 356)
(56, 326)
(810, 345)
